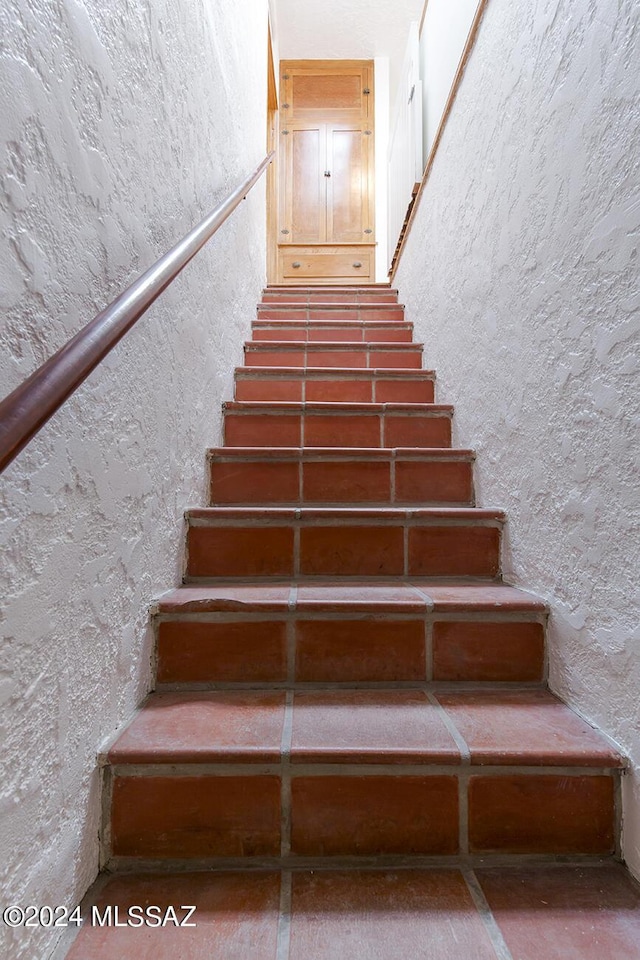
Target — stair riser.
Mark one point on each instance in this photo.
(443, 811)
(387, 313)
(341, 482)
(336, 388)
(315, 295)
(299, 648)
(349, 333)
(406, 548)
(367, 356)
(336, 430)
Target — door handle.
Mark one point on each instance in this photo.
(327, 173)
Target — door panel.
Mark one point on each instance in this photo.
(308, 196)
(348, 199)
(324, 92)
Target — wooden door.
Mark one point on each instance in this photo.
(325, 206)
(303, 199)
(348, 163)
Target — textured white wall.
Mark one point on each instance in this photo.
(123, 124)
(346, 30)
(521, 273)
(442, 40)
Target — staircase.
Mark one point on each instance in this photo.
(351, 750)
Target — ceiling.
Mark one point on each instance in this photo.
(345, 29)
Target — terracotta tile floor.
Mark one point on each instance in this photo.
(554, 912)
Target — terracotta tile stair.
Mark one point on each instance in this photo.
(368, 354)
(284, 328)
(253, 475)
(351, 735)
(317, 424)
(337, 385)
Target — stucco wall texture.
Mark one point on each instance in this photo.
(123, 124)
(521, 274)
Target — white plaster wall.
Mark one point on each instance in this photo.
(521, 274)
(442, 40)
(346, 30)
(123, 124)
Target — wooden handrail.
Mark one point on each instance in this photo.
(25, 411)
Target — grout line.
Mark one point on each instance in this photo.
(301, 466)
(284, 920)
(405, 548)
(465, 758)
(392, 479)
(461, 743)
(285, 782)
(129, 865)
(463, 815)
(486, 915)
(251, 765)
(428, 648)
(618, 815)
(455, 686)
(106, 792)
(291, 635)
(296, 544)
(424, 596)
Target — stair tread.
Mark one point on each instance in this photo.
(540, 910)
(321, 322)
(482, 727)
(329, 287)
(323, 345)
(403, 373)
(348, 512)
(318, 291)
(328, 406)
(336, 453)
(336, 595)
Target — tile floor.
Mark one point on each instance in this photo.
(552, 912)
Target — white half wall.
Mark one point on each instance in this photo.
(442, 40)
(521, 275)
(123, 124)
